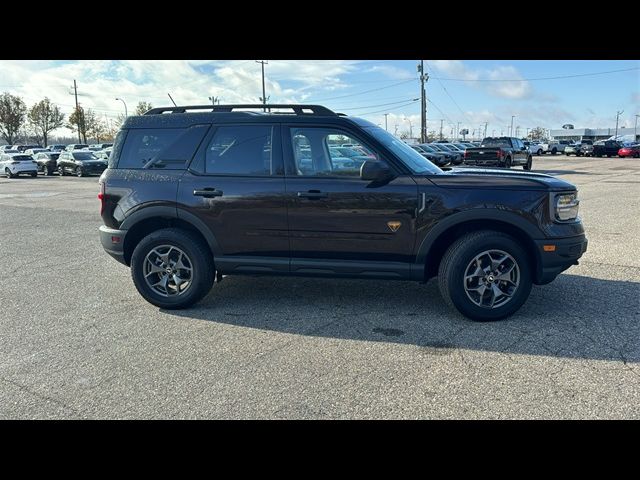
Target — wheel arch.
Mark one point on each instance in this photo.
(438, 240)
(147, 220)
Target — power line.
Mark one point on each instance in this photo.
(382, 104)
(363, 92)
(448, 94)
(536, 79)
(386, 109)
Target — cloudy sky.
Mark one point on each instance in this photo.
(539, 93)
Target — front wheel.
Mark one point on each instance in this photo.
(8, 173)
(172, 268)
(527, 166)
(554, 151)
(485, 275)
(34, 174)
(539, 152)
(79, 172)
(61, 171)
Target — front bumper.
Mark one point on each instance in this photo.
(567, 252)
(113, 242)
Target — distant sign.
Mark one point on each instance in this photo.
(567, 126)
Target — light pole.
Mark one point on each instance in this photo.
(410, 127)
(385, 121)
(635, 130)
(264, 94)
(125, 106)
(617, 117)
(511, 129)
(458, 132)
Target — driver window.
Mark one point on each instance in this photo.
(328, 152)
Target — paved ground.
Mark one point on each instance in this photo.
(76, 340)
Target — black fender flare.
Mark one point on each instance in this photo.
(490, 214)
(165, 211)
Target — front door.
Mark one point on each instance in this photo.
(336, 219)
(235, 185)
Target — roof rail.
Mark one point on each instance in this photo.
(298, 109)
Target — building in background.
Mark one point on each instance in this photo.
(624, 134)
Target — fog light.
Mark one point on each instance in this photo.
(115, 239)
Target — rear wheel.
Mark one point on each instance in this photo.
(527, 166)
(554, 151)
(507, 163)
(485, 275)
(34, 174)
(79, 172)
(172, 268)
(61, 171)
(540, 152)
(636, 155)
(8, 173)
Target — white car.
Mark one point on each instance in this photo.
(535, 148)
(14, 164)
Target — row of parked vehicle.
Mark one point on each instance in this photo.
(607, 148)
(75, 159)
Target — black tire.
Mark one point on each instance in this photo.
(79, 172)
(201, 260)
(61, 171)
(507, 162)
(8, 173)
(452, 270)
(34, 174)
(539, 152)
(636, 155)
(45, 171)
(527, 166)
(608, 156)
(554, 151)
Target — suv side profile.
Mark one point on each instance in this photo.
(193, 193)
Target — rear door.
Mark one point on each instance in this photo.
(335, 216)
(520, 152)
(235, 186)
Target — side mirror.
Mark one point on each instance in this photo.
(375, 171)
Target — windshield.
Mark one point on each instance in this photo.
(21, 158)
(496, 142)
(412, 159)
(84, 156)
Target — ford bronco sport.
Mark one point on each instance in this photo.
(194, 193)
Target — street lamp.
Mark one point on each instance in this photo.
(125, 106)
(511, 129)
(635, 130)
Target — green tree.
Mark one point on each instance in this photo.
(12, 116)
(45, 117)
(77, 123)
(143, 107)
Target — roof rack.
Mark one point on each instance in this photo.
(298, 109)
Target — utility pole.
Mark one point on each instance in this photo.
(385, 121)
(264, 94)
(214, 100)
(423, 97)
(75, 89)
(511, 129)
(635, 130)
(441, 122)
(486, 124)
(617, 117)
(396, 130)
(458, 132)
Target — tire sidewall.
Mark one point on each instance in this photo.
(457, 269)
(198, 264)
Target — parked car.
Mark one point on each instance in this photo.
(94, 148)
(76, 146)
(24, 148)
(554, 147)
(103, 154)
(47, 162)
(609, 148)
(56, 148)
(579, 149)
(351, 153)
(503, 152)
(435, 158)
(103, 145)
(455, 157)
(184, 204)
(80, 163)
(534, 148)
(630, 151)
(14, 164)
(449, 157)
(33, 151)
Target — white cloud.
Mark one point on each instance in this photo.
(455, 69)
(392, 72)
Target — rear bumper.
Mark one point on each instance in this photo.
(567, 252)
(113, 242)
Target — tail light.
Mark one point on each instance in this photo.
(465, 154)
(101, 197)
(500, 154)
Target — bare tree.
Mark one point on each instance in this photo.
(143, 107)
(45, 117)
(12, 116)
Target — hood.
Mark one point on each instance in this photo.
(490, 178)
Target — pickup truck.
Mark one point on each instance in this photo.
(608, 147)
(535, 148)
(499, 151)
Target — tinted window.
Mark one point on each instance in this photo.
(240, 150)
(166, 148)
(84, 156)
(412, 159)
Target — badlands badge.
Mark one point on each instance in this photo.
(394, 226)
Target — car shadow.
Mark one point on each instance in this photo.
(573, 317)
(565, 172)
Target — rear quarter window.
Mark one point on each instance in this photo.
(165, 148)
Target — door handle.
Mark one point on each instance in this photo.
(208, 193)
(313, 194)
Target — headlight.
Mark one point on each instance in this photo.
(567, 206)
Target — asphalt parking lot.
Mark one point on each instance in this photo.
(77, 341)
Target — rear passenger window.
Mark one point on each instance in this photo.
(166, 148)
(240, 150)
